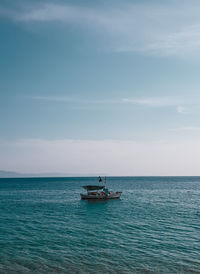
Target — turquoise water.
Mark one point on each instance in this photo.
(153, 228)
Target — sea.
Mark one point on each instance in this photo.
(46, 228)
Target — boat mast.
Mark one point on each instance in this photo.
(105, 182)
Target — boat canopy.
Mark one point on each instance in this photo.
(93, 187)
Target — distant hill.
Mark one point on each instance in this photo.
(12, 174)
(9, 174)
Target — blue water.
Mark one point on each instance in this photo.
(153, 228)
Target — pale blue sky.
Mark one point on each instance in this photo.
(103, 72)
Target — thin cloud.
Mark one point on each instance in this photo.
(163, 29)
(180, 42)
(182, 110)
(75, 100)
(56, 12)
(145, 101)
(63, 99)
(153, 101)
(188, 128)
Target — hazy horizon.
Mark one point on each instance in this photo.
(13, 174)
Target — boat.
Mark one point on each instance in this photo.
(98, 192)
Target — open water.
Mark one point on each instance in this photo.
(153, 228)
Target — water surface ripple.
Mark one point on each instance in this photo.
(153, 228)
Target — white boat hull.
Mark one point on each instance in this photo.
(114, 195)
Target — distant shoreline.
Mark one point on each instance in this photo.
(38, 176)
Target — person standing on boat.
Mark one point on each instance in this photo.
(100, 180)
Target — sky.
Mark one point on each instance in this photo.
(100, 87)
